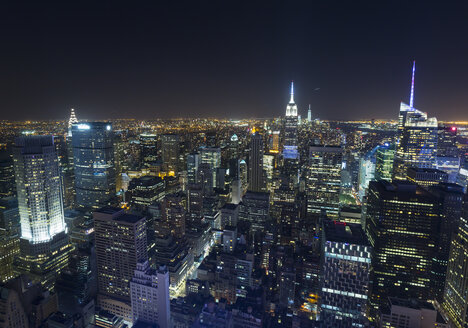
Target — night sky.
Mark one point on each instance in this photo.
(231, 59)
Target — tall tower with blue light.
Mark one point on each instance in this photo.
(416, 144)
(290, 151)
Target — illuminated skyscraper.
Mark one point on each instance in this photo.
(148, 149)
(290, 129)
(69, 169)
(193, 161)
(93, 151)
(72, 120)
(384, 158)
(416, 144)
(309, 115)
(275, 142)
(212, 157)
(173, 216)
(346, 278)
(256, 173)
(7, 173)
(455, 298)
(366, 172)
(9, 236)
(450, 204)
(44, 242)
(324, 179)
(448, 154)
(401, 224)
(234, 147)
(170, 149)
(120, 244)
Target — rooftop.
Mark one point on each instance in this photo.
(344, 232)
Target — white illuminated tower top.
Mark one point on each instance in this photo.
(291, 108)
(72, 120)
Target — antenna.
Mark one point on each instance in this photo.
(412, 86)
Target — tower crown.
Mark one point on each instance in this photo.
(291, 108)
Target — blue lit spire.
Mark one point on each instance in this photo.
(291, 101)
(412, 86)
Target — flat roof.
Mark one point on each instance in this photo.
(344, 232)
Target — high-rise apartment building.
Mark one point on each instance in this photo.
(120, 244)
(93, 152)
(256, 172)
(44, 246)
(345, 281)
(150, 295)
(401, 224)
(323, 180)
(416, 144)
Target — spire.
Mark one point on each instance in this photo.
(72, 120)
(412, 86)
(292, 93)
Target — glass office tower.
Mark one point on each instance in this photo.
(44, 247)
(93, 152)
(402, 224)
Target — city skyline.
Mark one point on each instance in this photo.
(200, 165)
(217, 60)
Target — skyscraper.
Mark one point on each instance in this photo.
(212, 157)
(7, 173)
(345, 279)
(384, 162)
(150, 295)
(455, 297)
(290, 129)
(9, 236)
(193, 161)
(450, 204)
(170, 149)
(416, 144)
(72, 120)
(148, 149)
(173, 215)
(44, 247)
(366, 172)
(401, 224)
(120, 243)
(256, 173)
(93, 152)
(324, 179)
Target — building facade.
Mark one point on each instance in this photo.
(94, 166)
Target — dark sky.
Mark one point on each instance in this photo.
(234, 59)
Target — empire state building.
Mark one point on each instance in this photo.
(290, 128)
